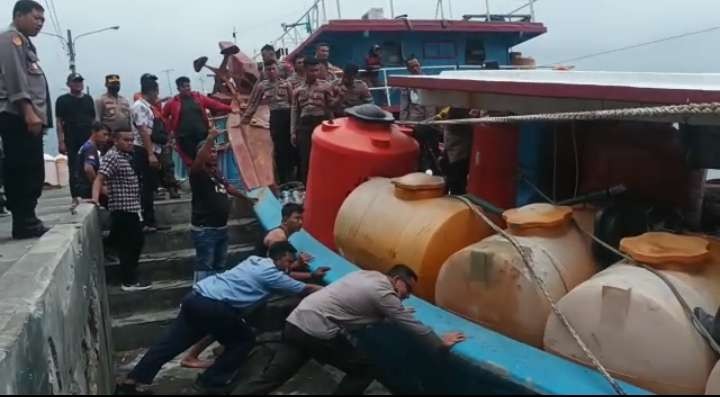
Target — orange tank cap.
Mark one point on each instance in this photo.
(660, 248)
(538, 215)
(418, 185)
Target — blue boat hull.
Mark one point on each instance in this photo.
(486, 362)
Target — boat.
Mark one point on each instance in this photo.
(642, 111)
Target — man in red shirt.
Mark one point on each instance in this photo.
(187, 118)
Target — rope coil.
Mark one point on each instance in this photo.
(679, 111)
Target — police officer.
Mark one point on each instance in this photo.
(112, 109)
(24, 115)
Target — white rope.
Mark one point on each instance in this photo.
(527, 260)
(680, 111)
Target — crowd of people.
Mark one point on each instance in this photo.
(120, 151)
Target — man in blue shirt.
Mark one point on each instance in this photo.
(216, 306)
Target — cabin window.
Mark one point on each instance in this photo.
(391, 54)
(439, 50)
(475, 52)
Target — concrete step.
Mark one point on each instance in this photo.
(163, 295)
(174, 265)
(241, 231)
(177, 212)
(132, 330)
(141, 329)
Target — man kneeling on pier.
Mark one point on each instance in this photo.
(217, 306)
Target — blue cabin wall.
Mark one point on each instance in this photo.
(353, 47)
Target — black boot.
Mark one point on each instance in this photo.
(26, 225)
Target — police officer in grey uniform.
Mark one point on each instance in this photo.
(24, 115)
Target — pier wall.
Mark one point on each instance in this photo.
(54, 318)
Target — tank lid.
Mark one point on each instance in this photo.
(419, 181)
(418, 186)
(371, 113)
(538, 215)
(660, 248)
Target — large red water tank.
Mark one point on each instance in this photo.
(347, 153)
(494, 163)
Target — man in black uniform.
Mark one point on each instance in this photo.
(24, 116)
(75, 113)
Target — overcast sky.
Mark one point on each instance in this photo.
(168, 34)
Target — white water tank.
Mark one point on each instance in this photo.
(633, 323)
(488, 282)
(713, 383)
(63, 174)
(51, 171)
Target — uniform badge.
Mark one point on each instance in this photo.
(17, 41)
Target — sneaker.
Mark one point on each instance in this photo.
(138, 286)
(158, 228)
(174, 194)
(111, 260)
(131, 390)
(149, 229)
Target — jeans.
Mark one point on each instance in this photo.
(297, 349)
(200, 316)
(127, 238)
(148, 181)
(211, 246)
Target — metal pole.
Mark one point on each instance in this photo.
(71, 51)
(167, 75)
(324, 12)
(450, 10)
(392, 9)
(532, 10)
(337, 4)
(487, 10)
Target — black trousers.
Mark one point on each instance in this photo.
(285, 154)
(127, 238)
(200, 316)
(304, 143)
(148, 183)
(298, 348)
(188, 145)
(457, 176)
(23, 170)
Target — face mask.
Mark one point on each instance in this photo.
(114, 89)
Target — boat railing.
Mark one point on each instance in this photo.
(383, 87)
(295, 33)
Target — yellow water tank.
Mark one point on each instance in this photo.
(488, 282)
(407, 220)
(632, 322)
(713, 383)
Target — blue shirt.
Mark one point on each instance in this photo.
(248, 283)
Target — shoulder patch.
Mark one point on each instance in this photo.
(17, 41)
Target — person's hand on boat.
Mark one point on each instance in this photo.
(453, 338)
(213, 133)
(320, 272)
(305, 257)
